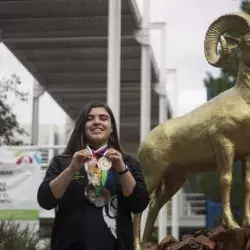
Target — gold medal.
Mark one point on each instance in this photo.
(91, 163)
(104, 163)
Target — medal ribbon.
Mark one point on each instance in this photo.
(98, 150)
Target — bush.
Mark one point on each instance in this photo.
(14, 237)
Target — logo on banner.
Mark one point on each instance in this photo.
(26, 157)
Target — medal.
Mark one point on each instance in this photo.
(88, 188)
(91, 163)
(99, 197)
(96, 180)
(104, 163)
(106, 196)
(91, 196)
(99, 201)
(90, 193)
(93, 170)
(102, 200)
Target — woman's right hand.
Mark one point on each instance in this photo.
(78, 160)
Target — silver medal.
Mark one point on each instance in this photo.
(99, 201)
(90, 193)
(104, 163)
(92, 196)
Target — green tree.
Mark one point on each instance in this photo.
(208, 183)
(9, 126)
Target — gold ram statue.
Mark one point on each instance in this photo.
(208, 138)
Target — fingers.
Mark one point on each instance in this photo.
(112, 152)
(113, 157)
(83, 154)
(86, 155)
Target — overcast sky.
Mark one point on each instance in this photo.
(187, 23)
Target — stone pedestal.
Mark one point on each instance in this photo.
(218, 239)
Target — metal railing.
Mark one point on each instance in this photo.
(194, 203)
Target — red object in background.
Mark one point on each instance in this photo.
(24, 159)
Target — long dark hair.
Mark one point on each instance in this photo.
(78, 138)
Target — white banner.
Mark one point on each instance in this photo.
(19, 181)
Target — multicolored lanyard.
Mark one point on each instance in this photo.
(101, 149)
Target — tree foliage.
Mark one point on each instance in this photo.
(13, 236)
(9, 126)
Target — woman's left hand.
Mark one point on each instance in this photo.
(117, 160)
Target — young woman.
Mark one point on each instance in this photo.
(95, 187)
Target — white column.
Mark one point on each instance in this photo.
(181, 202)
(162, 97)
(51, 142)
(38, 90)
(162, 223)
(175, 217)
(35, 121)
(114, 59)
(162, 217)
(175, 200)
(145, 121)
(145, 106)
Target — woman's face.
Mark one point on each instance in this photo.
(98, 127)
